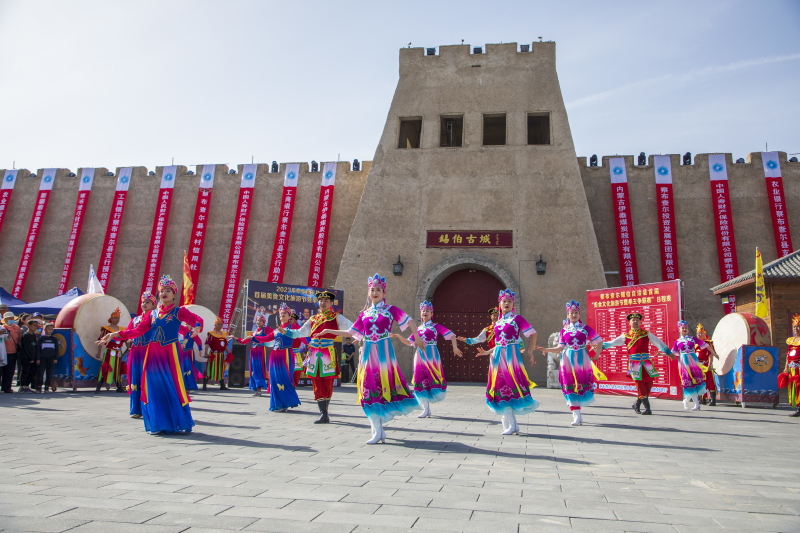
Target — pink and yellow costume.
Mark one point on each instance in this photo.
(429, 382)
(576, 372)
(136, 358)
(382, 389)
(509, 388)
(165, 404)
(692, 376)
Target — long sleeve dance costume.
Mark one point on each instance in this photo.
(188, 369)
(258, 360)
(576, 373)
(706, 360)
(282, 394)
(509, 387)
(640, 367)
(323, 365)
(217, 355)
(692, 378)
(136, 363)
(791, 378)
(165, 404)
(111, 368)
(429, 382)
(486, 335)
(382, 389)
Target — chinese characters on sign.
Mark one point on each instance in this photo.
(666, 217)
(622, 213)
(112, 230)
(84, 188)
(282, 233)
(45, 186)
(159, 233)
(6, 188)
(198, 236)
(264, 299)
(470, 239)
(723, 220)
(780, 222)
(320, 244)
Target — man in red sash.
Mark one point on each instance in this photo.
(707, 361)
(217, 354)
(640, 368)
(323, 364)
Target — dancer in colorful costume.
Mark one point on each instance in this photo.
(282, 395)
(790, 377)
(188, 369)
(110, 354)
(486, 335)
(218, 355)
(508, 391)
(298, 347)
(640, 368)
(382, 389)
(577, 371)
(322, 364)
(429, 383)
(707, 364)
(137, 347)
(165, 404)
(692, 377)
(258, 358)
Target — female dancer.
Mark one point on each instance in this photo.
(508, 391)
(382, 389)
(707, 364)
(188, 342)
(429, 383)
(282, 394)
(111, 355)
(258, 358)
(137, 347)
(298, 347)
(576, 373)
(790, 377)
(694, 382)
(165, 404)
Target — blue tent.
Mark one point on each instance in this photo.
(47, 307)
(7, 299)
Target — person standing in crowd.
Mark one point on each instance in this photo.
(12, 340)
(640, 368)
(29, 357)
(110, 354)
(137, 350)
(349, 349)
(322, 363)
(48, 351)
(3, 353)
(217, 354)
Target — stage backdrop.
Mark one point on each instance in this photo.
(660, 304)
(264, 298)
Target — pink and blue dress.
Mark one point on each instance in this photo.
(135, 364)
(429, 382)
(509, 388)
(258, 361)
(188, 368)
(382, 389)
(692, 376)
(165, 403)
(282, 394)
(576, 373)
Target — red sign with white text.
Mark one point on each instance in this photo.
(84, 188)
(666, 217)
(622, 215)
(197, 238)
(45, 186)
(319, 247)
(723, 221)
(6, 188)
(279, 251)
(158, 235)
(777, 205)
(113, 227)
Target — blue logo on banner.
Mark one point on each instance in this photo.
(207, 177)
(10, 177)
(772, 164)
(291, 175)
(617, 170)
(168, 177)
(48, 179)
(248, 176)
(717, 167)
(663, 171)
(86, 179)
(123, 179)
(328, 175)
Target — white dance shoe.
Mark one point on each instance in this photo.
(577, 420)
(512, 425)
(696, 403)
(378, 435)
(506, 425)
(426, 409)
(686, 403)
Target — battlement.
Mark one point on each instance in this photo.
(699, 162)
(464, 56)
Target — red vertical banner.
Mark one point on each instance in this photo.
(723, 220)
(666, 217)
(112, 229)
(622, 217)
(777, 205)
(6, 188)
(159, 233)
(200, 224)
(319, 246)
(282, 233)
(238, 240)
(84, 188)
(45, 186)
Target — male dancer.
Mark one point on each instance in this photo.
(216, 352)
(707, 360)
(323, 365)
(640, 367)
(486, 335)
(110, 355)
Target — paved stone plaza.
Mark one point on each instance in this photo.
(78, 463)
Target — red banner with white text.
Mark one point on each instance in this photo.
(159, 233)
(200, 223)
(6, 188)
(666, 217)
(45, 186)
(282, 233)
(723, 220)
(777, 205)
(319, 247)
(622, 217)
(84, 188)
(112, 229)
(238, 240)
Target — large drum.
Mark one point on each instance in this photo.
(734, 331)
(208, 317)
(87, 314)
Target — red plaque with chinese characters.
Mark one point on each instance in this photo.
(470, 239)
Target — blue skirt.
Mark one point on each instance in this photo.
(282, 394)
(167, 404)
(135, 362)
(187, 368)
(258, 357)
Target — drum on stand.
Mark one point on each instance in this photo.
(86, 314)
(734, 331)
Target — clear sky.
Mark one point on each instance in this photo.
(110, 83)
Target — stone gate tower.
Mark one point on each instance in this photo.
(476, 142)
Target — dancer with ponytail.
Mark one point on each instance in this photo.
(382, 389)
(165, 404)
(137, 347)
(429, 383)
(692, 377)
(576, 373)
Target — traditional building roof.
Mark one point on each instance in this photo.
(786, 268)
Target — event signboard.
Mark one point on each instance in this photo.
(264, 298)
(660, 305)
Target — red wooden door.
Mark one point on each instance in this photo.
(460, 304)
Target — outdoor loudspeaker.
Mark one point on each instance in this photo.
(237, 367)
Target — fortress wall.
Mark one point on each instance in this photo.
(131, 253)
(694, 222)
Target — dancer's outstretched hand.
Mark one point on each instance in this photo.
(462, 339)
(419, 344)
(533, 360)
(458, 352)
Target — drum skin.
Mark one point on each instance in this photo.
(736, 330)
(208, 317)
(87, 314)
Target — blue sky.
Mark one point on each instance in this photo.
(98, 83)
